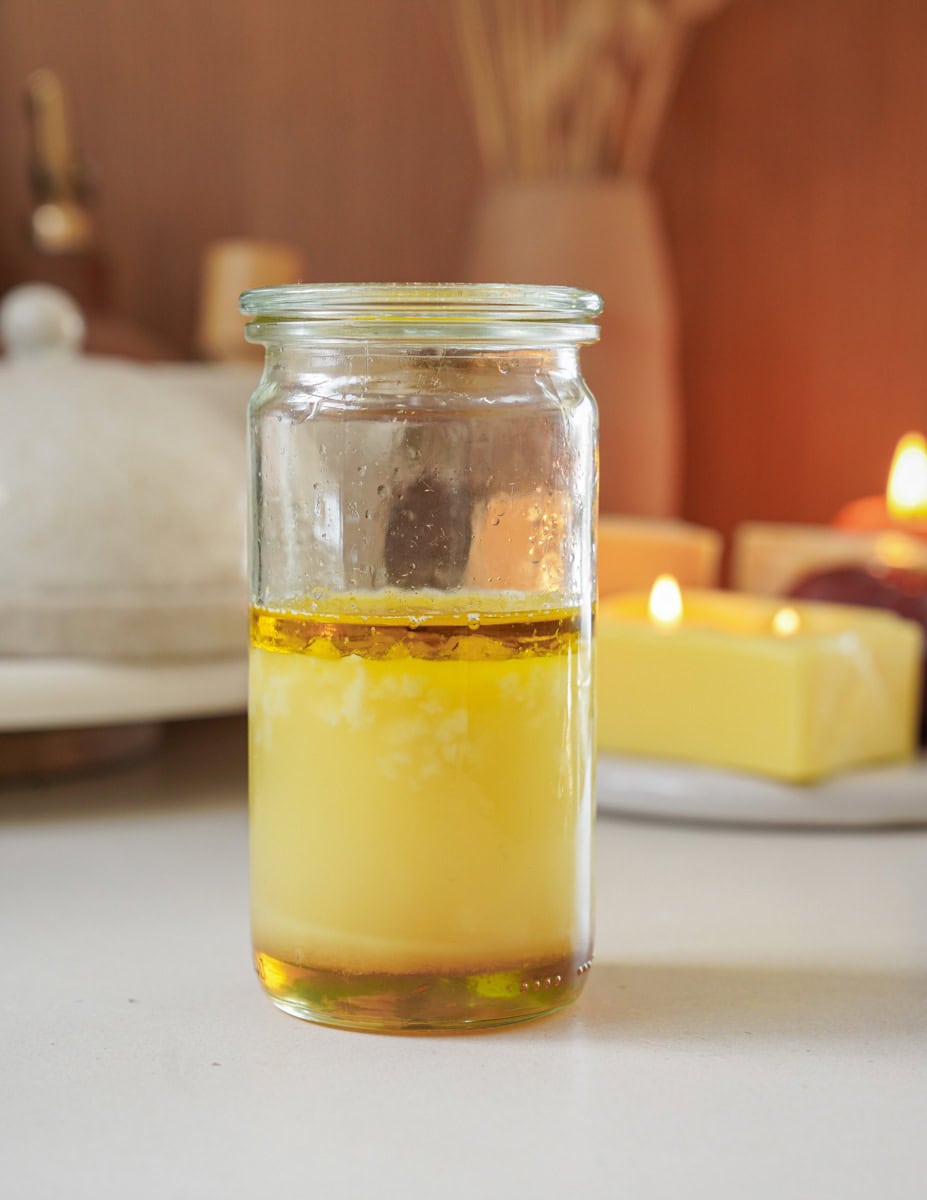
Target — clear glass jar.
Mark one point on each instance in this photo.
(423, 583)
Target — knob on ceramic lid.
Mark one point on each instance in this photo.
(38, 319)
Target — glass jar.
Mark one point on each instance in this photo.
(422, 588)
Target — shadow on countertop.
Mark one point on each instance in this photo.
(638, 1003)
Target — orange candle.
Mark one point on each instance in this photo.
(633, 551)
(904, 505)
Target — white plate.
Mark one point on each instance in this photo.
(62, 693)
(879, 796)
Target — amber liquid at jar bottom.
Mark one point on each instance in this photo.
(421, 812)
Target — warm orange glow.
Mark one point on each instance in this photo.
(896, 549)
(786, 622)
(906, 496)
(665, 605)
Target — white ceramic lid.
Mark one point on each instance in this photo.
(122, 505)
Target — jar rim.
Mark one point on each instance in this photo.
(487, 302)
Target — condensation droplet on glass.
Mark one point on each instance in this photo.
(473, 620)
(381, 490)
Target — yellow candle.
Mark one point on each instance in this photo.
(797, 693)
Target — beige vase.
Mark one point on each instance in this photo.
(605, 235)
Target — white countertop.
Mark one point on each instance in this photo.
(755, 1025)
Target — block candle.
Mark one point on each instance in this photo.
(771, 559)
(797, 692)
(633, 551)
(901, 592)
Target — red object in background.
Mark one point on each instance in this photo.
(871, 514)
(899, 590)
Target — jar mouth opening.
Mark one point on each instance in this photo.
(421, 311)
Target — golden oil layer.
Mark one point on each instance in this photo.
(435, 635)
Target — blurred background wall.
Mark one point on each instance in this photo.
(791, 173)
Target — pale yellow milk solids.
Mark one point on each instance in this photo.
(421, 788)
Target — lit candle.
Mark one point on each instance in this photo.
(665, 603)
(797, 692)
(904, 504)
(876, 533)
(907, 481)
(786, 622)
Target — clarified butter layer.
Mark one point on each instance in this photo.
(421, 790)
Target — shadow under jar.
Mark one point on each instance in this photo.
(423, 584)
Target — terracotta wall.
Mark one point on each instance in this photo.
(795, 182)
(334, 125)
(792, 174)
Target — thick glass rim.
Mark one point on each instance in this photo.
(468, 312)
(474, 301)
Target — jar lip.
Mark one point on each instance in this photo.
(478, 302)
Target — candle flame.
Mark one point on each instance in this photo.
(786, 622)
(907, 481)
(665, 606)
